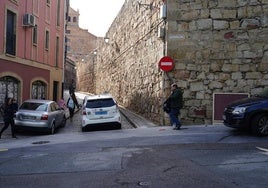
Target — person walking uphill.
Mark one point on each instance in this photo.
(9, 109)
(175, 103)
(71, 106)
(71, 103)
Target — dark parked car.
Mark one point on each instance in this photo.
(40, 115)
(249, 114)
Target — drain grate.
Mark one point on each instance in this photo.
(41, 142)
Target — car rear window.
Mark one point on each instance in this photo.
(34, 106)
(100, 103)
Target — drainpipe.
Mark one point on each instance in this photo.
(163, 72)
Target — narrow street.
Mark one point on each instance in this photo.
(75, 124)
(204, 156)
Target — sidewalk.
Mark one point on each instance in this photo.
(136, 120)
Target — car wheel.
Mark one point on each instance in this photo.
(52, 129)
(260, 125)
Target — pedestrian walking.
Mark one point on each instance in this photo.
(71, 106)
(72, 88)
(174, 103)
(9, 109)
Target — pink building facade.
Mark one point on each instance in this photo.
(32, 49)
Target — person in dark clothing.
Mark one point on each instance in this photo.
(175, 103)
(72, 88)
(71, 105)
(9, 109)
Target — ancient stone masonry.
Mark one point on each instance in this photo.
(127, 66)
(219, 46)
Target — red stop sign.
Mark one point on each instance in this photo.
(166, 63)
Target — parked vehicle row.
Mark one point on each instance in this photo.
(101, 111)
(98, 111)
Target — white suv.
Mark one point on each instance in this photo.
(100, 111)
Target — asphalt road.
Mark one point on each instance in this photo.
(205, 156)
(196, 156)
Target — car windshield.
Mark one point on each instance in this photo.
(99, 103)
(263, 94)
(34, 106)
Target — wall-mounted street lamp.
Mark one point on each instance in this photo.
(113, 44)
(95, 52)
(106, 39)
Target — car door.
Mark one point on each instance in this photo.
(56, 113)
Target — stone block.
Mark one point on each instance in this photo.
(234, 24)
(215, 85)
(230, 68)
(227, 3)
(229, 14)
(253, 75)
(191, 15)
(220, 24)
(244, 68)
(197, 86)
(249, 54)
(200, 95)
(216, 13)
(224, 76)
(204, 24)
(237, 76)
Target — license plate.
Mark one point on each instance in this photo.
(101, 113)
(28, 117)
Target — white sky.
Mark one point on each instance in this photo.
(97, 15)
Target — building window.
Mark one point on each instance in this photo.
(57, 51)
(68, 31)
(58, 13)
(35, 35)
(74, 19)
(47, 40)
(9, 86)
(38, 90)
(69, 18)
(48, 2)
(11, 33)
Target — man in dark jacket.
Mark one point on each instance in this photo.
(175, 103)
(9, 109)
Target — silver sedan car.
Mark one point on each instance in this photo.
(40, 115)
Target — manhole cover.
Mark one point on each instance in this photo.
(41, 142)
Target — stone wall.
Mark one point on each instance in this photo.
(218, 46)
(127, 66)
